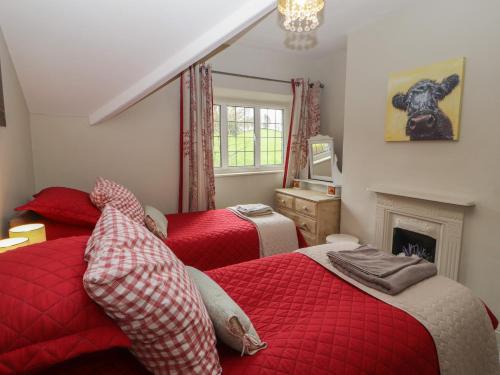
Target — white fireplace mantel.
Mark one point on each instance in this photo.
(428, 196)
(440, 217)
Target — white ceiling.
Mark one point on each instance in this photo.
(339, 17)
(97, 57)
(91, 57)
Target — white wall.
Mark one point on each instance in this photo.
(16, 165)
(140, 148)
(418, 36)
(331, 70)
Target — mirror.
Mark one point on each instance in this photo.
(321, 158)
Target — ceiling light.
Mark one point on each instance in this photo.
(300, 15)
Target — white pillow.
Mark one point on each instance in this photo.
(232, 325)
(156, 222)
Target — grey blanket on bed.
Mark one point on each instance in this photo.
(380, 270)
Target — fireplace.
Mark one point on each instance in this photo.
(427, 224)
(406, 242)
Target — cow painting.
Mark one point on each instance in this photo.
(424, 103)
(426, 121)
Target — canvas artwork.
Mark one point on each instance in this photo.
(425, 103)
(3, 121)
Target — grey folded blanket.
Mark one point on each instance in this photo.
(380, 270)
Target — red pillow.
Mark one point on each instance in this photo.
(64, 205)
(45, 315)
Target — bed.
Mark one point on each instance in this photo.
(313, 322)
(205, 240)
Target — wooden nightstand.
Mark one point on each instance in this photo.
(316, 214)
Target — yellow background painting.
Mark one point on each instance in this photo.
(396, 119)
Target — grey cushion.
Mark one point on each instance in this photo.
(232, 325)
(156, 222)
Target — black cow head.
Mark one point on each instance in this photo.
(425, 118)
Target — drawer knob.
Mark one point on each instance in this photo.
(283, 201)
(303, 226)
(305, 208)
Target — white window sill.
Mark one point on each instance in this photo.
(247, 173)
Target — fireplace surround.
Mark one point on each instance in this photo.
(434, 216)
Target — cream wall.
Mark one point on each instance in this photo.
(16, 165)
(139, 148)
(331, 70)
(426, 33)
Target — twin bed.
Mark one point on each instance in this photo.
(204, 240)
(313, 321)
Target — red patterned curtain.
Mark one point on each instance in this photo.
(304, 124)
(196, 182)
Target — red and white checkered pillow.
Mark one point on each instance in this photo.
(145, 288)
(109, 192)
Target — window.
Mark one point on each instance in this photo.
(240, 136)
(248, 137)
(216, 150)
(271, 136)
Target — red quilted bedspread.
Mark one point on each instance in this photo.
(45, 315)
(313, 322)
(212, 239)
(205, 240)
(316, 323)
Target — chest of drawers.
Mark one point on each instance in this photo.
(316, 214)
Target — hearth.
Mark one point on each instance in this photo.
(406, 242)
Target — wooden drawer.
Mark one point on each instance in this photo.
(305, 207)
(306, 225)
(285, 201)
(288, 213)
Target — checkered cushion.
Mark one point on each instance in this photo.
(109, 192)
(142, 285)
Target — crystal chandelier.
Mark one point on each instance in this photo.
(300, 15)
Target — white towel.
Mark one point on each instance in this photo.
(257, 209)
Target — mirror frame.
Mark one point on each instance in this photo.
(320, 139)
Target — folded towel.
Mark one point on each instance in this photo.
(380, 270)
(258, 209)
(373, 261)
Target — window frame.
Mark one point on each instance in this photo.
(224, 169)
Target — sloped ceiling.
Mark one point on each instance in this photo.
(97, 57)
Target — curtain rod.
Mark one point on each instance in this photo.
(255, 77)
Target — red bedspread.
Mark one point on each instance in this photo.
(313, 322)
(205, 240)
(212, 239)
(316, 323)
